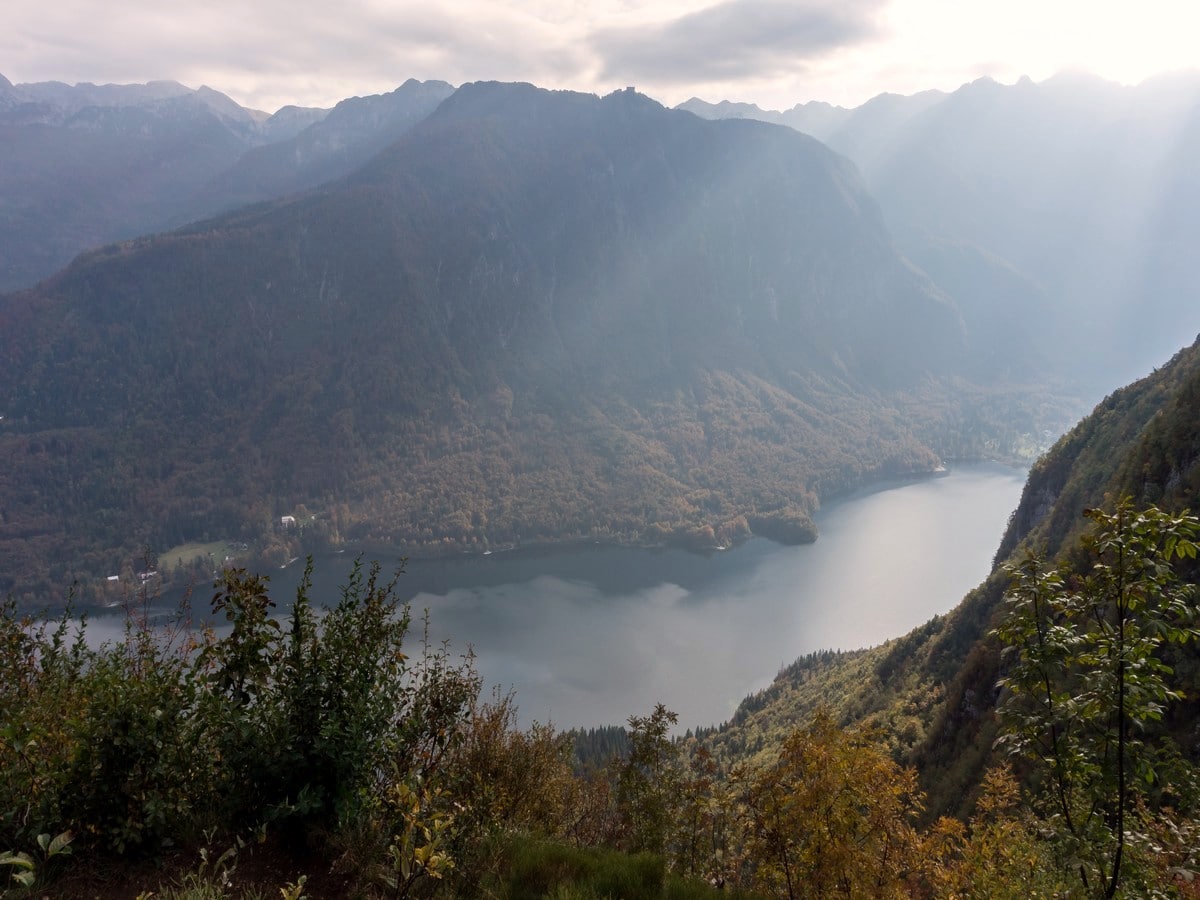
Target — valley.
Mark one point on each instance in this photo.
(679, 410)
(536, 316)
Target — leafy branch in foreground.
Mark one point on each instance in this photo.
(1087, 679)
(24, 869)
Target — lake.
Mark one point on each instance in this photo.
(591, 635)
(594, 635)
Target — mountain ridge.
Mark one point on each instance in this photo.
(1082, 187)
(83, 165)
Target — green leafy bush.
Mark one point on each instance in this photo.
(538, 868)
(173, 732)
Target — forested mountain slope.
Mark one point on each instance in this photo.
(537, 315)
(934, 690)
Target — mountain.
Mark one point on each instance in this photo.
(537, 315)
(1069, 205)
(934, 690)
(84, 165)
(728, 109)
(333, 145)
(860, 133)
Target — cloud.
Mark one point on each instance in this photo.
(272, 52)
(736, 39)
(268, 53)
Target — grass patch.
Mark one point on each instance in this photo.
(540, 868)
(186, 554)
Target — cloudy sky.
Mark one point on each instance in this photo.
(267, 53)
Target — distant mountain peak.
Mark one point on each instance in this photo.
(226, 106)
(167, 84)
(817, 104)
(413, 83)
(727, 109)
(305, 148)
(631, 96)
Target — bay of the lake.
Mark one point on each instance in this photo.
(591, 635)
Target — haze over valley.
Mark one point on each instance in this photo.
(499, 315)
(811, 386)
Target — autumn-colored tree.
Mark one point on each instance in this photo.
(512, 778)
(833, 817)
(704, 843)
(1000, 854)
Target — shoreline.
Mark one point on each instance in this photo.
(549, 547)
(553, 546)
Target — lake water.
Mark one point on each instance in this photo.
(591, 635)
(594, 635)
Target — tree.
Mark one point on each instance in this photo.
(832, 817)
(1086, 676)
(999, 854)
(704, 843)
(648, 781)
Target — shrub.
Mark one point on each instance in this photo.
(539, 868)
